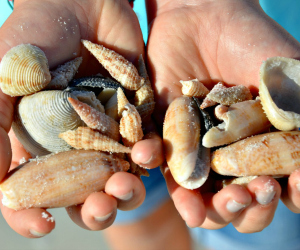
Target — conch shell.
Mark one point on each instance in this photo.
(24, 70)
(59, 180)
(187, 161)
(279, 92)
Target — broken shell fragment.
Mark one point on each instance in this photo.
(187, 160)
(194, 88)
(208, 102)
(279, 92)
(241, 120)
(275, 153)
(24, 70)
(59, 180)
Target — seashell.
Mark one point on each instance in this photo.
(86, 138)
(279, 92)
(59, 180)
(194, 88)
(275, 153)
(187, 160)
(207, 102)
(64, 74)
(208, 121)
(241, 120)
(41, 117)
(106, 94)
(229, 96)
(131, 126)
(24, 70)
(111, 107)
(146, 109)
(118, 67)
(122, 102)
(96, 120)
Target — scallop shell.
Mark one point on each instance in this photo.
(24, 70)
(41, 117)
(241, 120)
(279, 92)
(59, 180)
(188, 164)
(274, 154)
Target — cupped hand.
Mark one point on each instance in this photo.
(57, 27)
(218, 41)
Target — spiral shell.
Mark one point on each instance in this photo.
(24, 70)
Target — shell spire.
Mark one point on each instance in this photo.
(194, 88)
(119, 68)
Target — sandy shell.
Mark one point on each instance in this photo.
(111, 107)
(207, 102)
(122, 101)
(60, 180)
(181, 138)
(241, 120)
(279, 91)
(24, 70)
(194, 88)
(41, 117)
(275, 153)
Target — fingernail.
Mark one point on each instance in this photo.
(298, 186)
(147, 161)
(233, 206)
(126, 197)
(36, 233)
(264, 197)
(102, 218)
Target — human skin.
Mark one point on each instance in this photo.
(57, 27)
(218, 41)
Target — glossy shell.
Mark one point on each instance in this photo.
(279, 92)
(24, 70)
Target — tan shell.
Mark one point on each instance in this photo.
(241, 120)
(86, 138)
(122, 101)
(194, 88)
(59, 180)
(181, 137)
(279, 92)
(24, 70)
(274, 153)
(207, 102)
(41, 117)
(111, 107)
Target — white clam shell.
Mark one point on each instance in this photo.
(41, 117)
(24, 70)
(279, 92)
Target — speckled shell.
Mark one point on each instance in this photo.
(24, 70)
(59, 180)
(41, 117)
(181, 138)
(273, 154)
(279, 92)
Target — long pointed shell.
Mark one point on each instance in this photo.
(41, 117)
(122, 101)
(118, 67)
(24, 70)
(279, 91)
(274, 153)
(241, 120)
(59, 180)
(96, 120)
(194, 88)
(181, 137)
(86, 138)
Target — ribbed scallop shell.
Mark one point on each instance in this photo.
(41, 117)
(279, 92)
(24, 70)
(59, 180)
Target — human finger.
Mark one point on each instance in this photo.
(127, 188)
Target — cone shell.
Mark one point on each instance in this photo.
(24, 70)
(59, 180)
(279, 92)
(194, 88)
(274, 154)
(41, 117)
(241, 120)
(181, 137)
(86, 138)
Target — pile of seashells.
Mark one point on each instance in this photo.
(253, 136)
(81, 131)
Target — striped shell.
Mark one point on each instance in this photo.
(194, 88)
(41, 117)
(24, 70)
(59, 180)
(279, 92)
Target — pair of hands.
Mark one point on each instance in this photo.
(207, 39)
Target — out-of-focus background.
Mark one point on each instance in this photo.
(67, 235)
